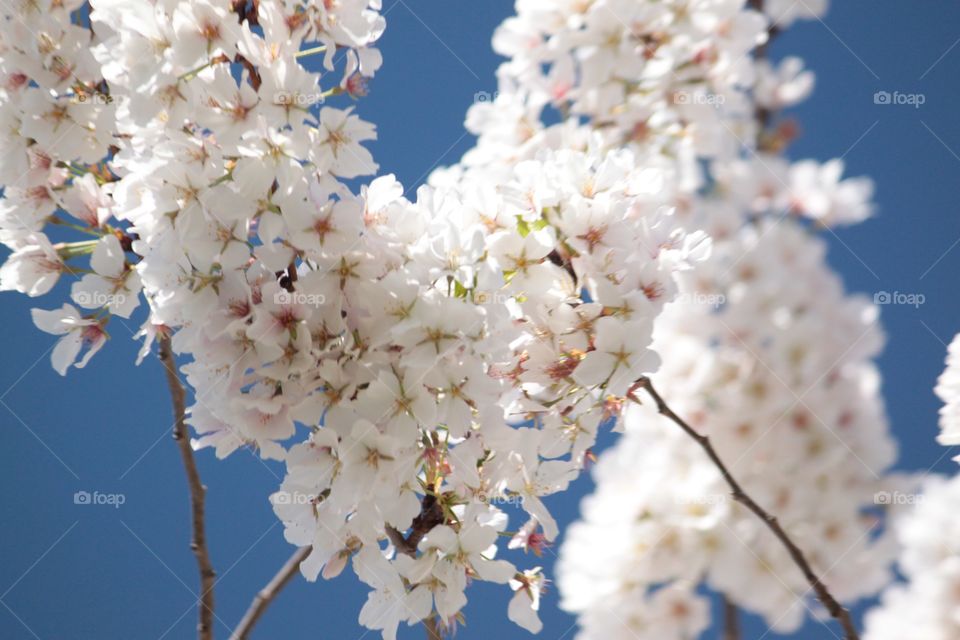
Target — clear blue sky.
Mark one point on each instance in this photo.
(99, 572)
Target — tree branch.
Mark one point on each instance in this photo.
(431, 515)
(197, 492)
(823, 594)
(731, 619)
(266, 595)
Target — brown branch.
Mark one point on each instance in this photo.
(731, 619)
(431, 514)
(197, 492)
(398, 541)
(266, 595)
(823, 594)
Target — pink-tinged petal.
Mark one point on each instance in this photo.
(94, 340)
(335, 565)
(535, 507)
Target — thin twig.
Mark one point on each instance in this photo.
(197, 492)
(266, 595)
(823, 594)
(731, 619)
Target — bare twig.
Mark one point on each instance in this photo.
(197, 492)
(266, 595)
(823, 594)
(731, 619)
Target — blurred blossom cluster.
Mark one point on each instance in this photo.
(928, 605)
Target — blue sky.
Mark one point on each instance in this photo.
(74, 571)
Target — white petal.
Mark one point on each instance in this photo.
(521, 611)
(65, 353)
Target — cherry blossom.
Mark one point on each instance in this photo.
(78, 333)
(927, 604)
(417, 363)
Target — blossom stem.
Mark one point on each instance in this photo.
(266, 595)
(197, 492)
(731, 619)
(310, 52)
(433, 629)
(833, 607)
(67, 250)
(189, 75)
(63, 223)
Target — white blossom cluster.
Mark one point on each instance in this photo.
(928, 605)
(171, 135)
(462, 368)
(781, 381)
(422, 367)
(763, 352)
(664, 78)
(675, 81)
(414, 364)
(948, 390)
